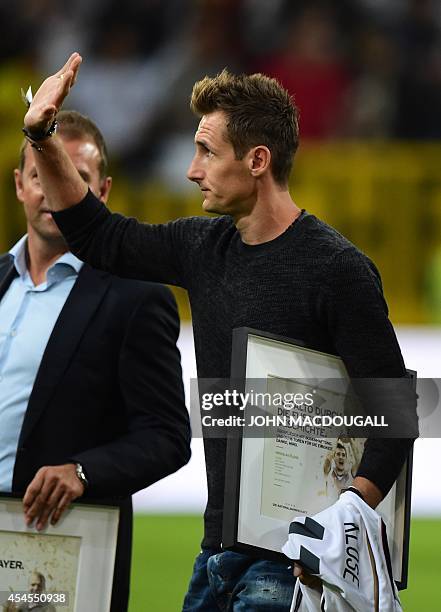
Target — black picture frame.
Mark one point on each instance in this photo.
(230, 538)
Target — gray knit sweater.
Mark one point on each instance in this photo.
(310, 283)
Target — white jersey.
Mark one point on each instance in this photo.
(346, 547)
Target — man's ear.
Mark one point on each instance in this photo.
(105, 187)
(259, 160)
(18, 178)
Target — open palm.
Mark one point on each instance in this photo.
(51, 94)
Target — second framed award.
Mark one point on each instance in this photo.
(68, 567)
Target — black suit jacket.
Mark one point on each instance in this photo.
(109, 395)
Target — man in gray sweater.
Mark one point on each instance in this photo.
(262, 263)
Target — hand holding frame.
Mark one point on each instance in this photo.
(50, 493)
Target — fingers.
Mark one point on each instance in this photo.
(33, 490)
(75, 67)
(312, 582)
(74, 59)
(69, 72)
(62, 506)
(43, 511)
(51, 94)
(67, 76)
(66, 83)
(298, 569)
(50, 493)
(55, 505)
(37, 495)
(308, 580)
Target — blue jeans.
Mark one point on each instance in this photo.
(232, 582)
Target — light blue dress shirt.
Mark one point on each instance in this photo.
(28, 314)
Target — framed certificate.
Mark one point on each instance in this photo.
(68, 567)
(273, 478)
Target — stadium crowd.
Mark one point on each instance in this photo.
(358, 69)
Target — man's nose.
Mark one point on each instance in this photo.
(194, 172)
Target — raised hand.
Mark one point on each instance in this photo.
(51, 94)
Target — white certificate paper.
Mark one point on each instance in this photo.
(288, 475)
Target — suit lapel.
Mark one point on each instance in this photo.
(7, 273)
(69, 328)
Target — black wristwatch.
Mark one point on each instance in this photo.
(81, 475)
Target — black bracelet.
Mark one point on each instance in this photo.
(35, 137)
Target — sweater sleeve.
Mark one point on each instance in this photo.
(126, 247)
(357, 317)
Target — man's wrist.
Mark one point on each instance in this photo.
(36, 136)
(353, 490)
(370, 492)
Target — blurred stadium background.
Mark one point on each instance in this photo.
(366, 75)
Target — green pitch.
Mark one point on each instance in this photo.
(165, 547)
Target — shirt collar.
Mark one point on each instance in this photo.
(18, 252)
